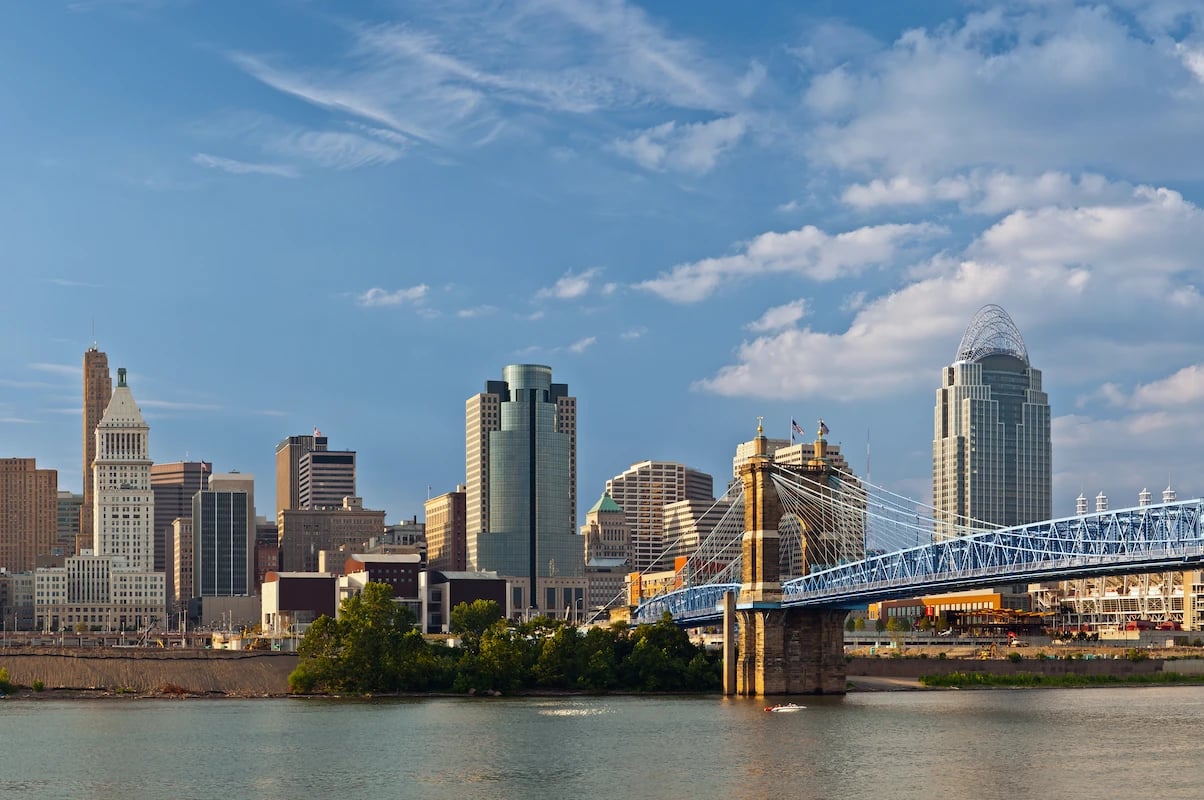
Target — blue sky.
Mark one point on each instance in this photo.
(282, 215)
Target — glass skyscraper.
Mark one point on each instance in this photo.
(991, 463)
(521, 438)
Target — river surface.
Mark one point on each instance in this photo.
(1014, 744)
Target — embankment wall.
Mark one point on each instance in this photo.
(237, 673)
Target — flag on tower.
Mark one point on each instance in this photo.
(823, 429)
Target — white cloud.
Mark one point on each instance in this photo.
(778, 317)
(376, 296)
(632, 334)
(982, 192)
(571, 286)
(1107, 276)
(581, 345)
(1049, 85)
(478, 311)
(244, 167)
(807, 251)
(1183, 388)
(691, 147)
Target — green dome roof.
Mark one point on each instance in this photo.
(605, 503)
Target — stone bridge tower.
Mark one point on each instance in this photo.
(780, 650)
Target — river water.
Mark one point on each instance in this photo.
(1015, 744)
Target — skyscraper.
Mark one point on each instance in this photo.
(991, 453)
(98, 389)
(28, 513)
(310, 476)
(125, 504)
(223, 532)
(173, 484)
(115, 585)
(521, 494)
(642, 491)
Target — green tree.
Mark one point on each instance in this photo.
(367, 649)
(859, 625)
(850, 624)
(471, 620)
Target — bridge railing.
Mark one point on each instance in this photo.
(1114, 542)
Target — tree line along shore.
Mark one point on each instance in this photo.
(373, 648)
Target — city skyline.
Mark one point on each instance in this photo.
(695, 221)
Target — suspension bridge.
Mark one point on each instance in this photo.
(797, 545)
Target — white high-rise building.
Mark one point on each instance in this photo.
(115, 585)
(991, 452)
(642, 491)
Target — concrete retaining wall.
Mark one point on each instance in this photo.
(238, 673)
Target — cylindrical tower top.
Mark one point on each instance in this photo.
(527, 376)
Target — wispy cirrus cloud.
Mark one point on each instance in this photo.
(235, 167)
(377, 297)
(458, 75)
(64, 370)
(174, 405)
(336, 149)
(72, 284)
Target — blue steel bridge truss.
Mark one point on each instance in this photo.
(1127, 541)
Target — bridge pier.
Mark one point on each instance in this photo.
(790, 651)
(780, 650)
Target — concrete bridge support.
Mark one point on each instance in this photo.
(779, 650)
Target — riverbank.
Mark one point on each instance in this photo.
(146, 672)
(128, 673)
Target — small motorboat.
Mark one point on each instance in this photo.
(784, 708)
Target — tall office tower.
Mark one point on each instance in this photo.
(642, 491)
(223, 533)
(445, 532)
(288, 469)
(991, 459)
(69, 506)
(115, 585)
(324, 478)
(309, 475)
(28, 513)
(98, 389)
(521, 465)
(125, 504)
(173, 484)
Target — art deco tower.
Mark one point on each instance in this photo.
(124, 502)
(991, 453)
(98, 389)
